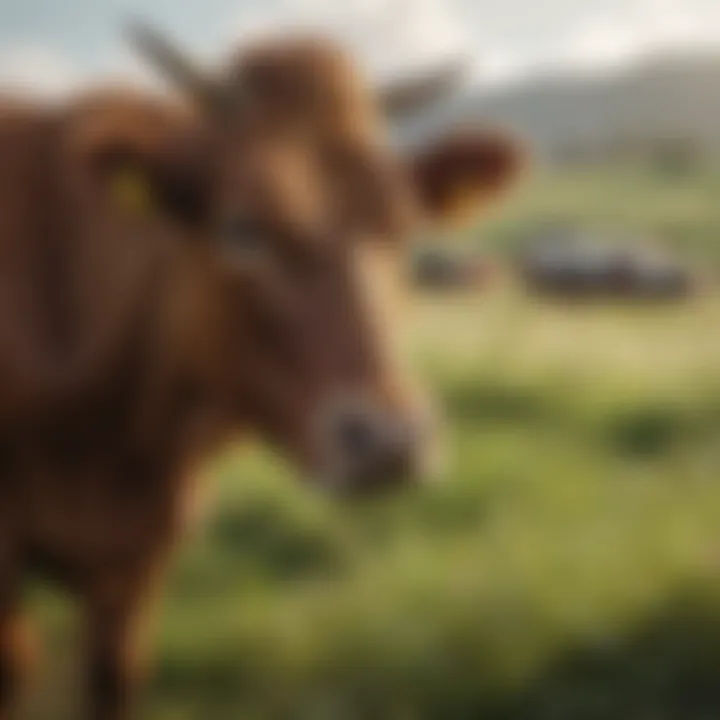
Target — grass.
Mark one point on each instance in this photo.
(567, 569)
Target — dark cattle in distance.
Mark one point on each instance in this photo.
(597, 271)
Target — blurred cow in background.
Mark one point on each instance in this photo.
(576, 268)
(177, 271)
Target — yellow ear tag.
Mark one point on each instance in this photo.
(131, 191)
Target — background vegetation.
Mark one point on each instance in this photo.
(569, 566)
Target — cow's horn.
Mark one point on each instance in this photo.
(407, 96)
(179, 69)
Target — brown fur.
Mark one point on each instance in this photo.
(133, 339)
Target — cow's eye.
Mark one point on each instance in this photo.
(243, 236)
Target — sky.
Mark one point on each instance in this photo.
(53, 46)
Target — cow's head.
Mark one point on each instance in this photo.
(298, 210)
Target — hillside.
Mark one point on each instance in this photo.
(666, 97)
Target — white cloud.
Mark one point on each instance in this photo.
(599, 42)
(499, 66)
(40, 72)
(36, 70)
(643, 27)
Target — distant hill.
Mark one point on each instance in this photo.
(669, 97)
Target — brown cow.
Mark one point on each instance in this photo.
(172, 274)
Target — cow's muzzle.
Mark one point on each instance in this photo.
(369, 449)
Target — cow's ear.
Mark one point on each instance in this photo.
(463, 173)
(171, 179)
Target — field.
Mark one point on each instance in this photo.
(568, 567)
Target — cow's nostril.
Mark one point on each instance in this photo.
(369, 448)
(375, 451)
(356, 437)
